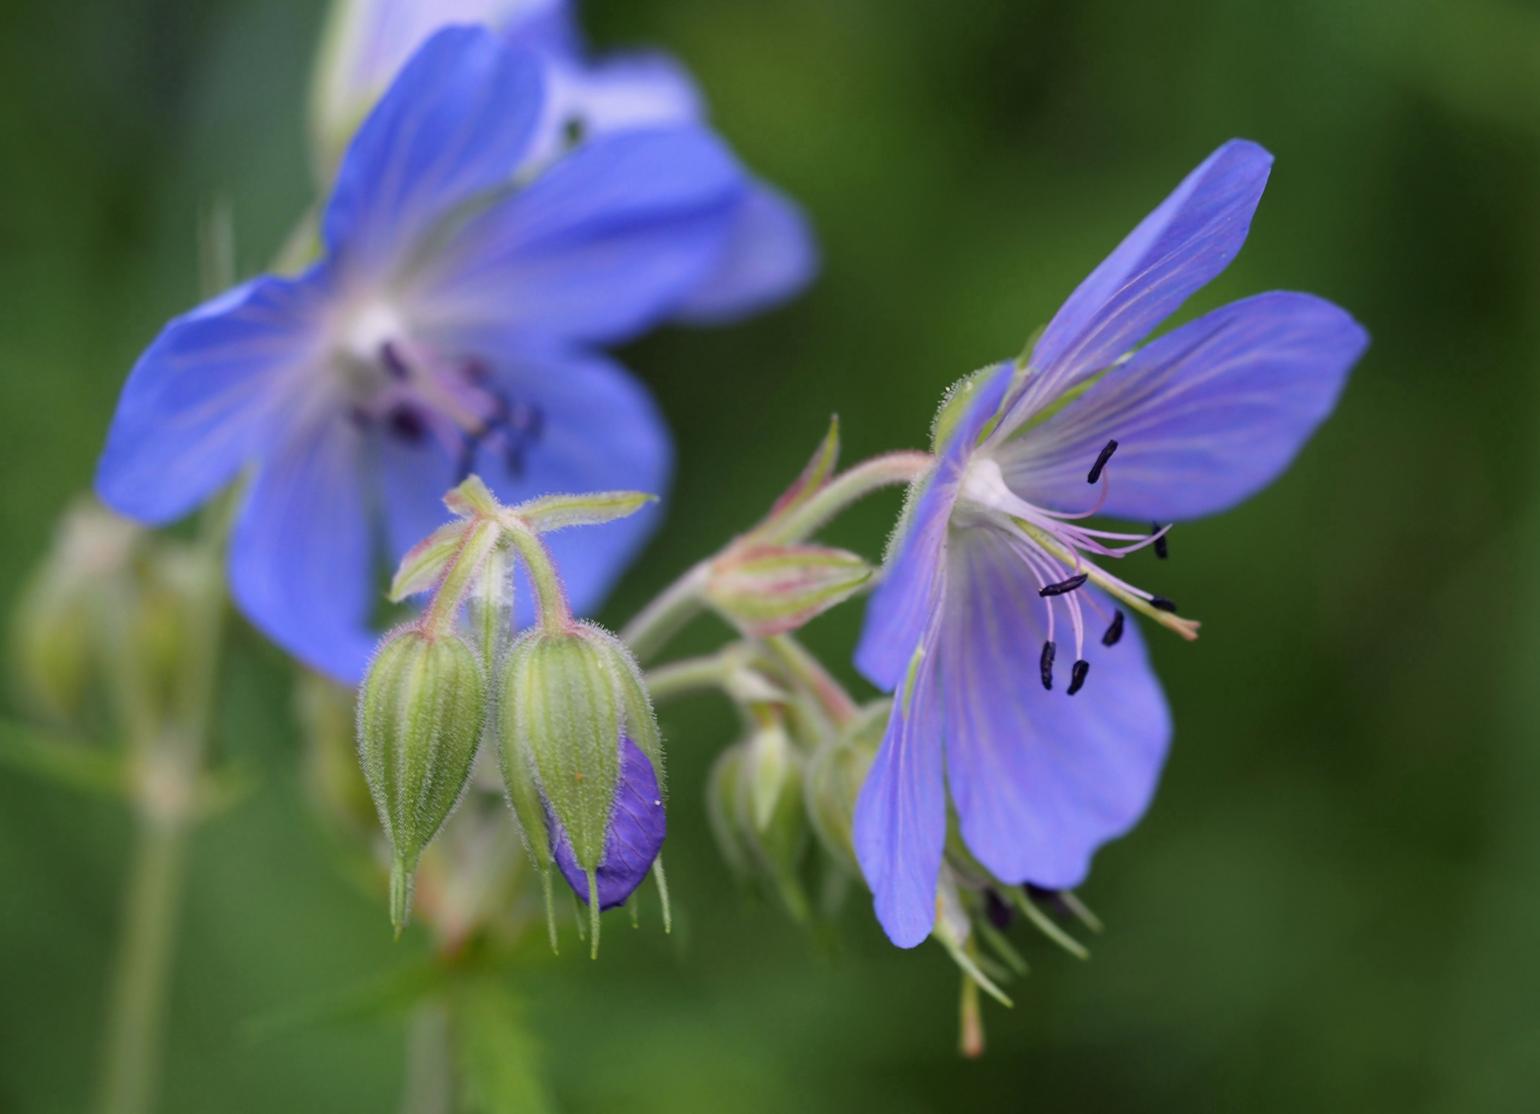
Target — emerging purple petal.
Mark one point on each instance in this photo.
(1041, 778)
(635, 836)
(900, 819)
(1203, 417)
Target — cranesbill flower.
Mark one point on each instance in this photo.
(767, 253)
(1020, 687)
(446, 328)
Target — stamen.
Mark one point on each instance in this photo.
(1160, 603)
(390, 357)
(1063, 586)
(1101, 461)
(1160, 540)
(407, 423)
(1045, 665)
(1115, 631)
(1077, 675)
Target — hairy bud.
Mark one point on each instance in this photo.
(835, 775)
(766, 590)
(421, 713)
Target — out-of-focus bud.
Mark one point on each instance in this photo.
(421, 713)
(64, 609)
(766, 590)
(582, 759)
(834, 778)
(754, 802)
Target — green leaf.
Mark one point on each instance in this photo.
(424, 564)
(557, 512)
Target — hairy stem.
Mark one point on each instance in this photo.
(550, 597)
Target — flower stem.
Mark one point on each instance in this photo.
(550, 596)
(810, 675)
(686, 676)
(480, 540)
(652, 627)
(847, 489)
(428, 1087)
(168, 765)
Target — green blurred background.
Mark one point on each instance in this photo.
(1333, 902)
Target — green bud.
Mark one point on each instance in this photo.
(766, 590)
(420, 715)
(560, 719)
(835, 775)
(754, 800)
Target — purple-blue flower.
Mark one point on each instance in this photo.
(1019, 690)
(767, 253)
(449, 325)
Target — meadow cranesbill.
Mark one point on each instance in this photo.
(997, 582)
(767, 252)
(448, 326)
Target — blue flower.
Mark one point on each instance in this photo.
(997, 583)
(767, 253)
(448, 326)
(632, 840)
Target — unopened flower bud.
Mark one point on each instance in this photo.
(835, 775)
(581, 757)
(754, 802)
(421, 713)
(767, 590)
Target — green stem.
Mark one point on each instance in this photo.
(663, 618)
(847, 489)
(550, 596)
(168, 765)
(687, 676)
(480, 540)
(681, 601)
(138, 1003)
(810, 675)
(428, 1087)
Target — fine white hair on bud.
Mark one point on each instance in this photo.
(420, 716)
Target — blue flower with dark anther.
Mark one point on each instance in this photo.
(1019, 687)
(767, 252)
(448, 326)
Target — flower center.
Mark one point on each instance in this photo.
(412, 392)
(1059, 550)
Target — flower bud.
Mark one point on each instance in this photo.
(582, 759)
(767, 590)
(421, 713)
(754, 802)
(835, 775)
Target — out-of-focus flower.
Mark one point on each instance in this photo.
(995, 573)
(766, 253)
(447, 327)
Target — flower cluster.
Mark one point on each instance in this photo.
(468, 269)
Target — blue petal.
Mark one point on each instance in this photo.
(900, 819)
(201, 400)
(623, 92)
(300, 563)
(635, 835)
(1189, 238)
(1040, 779)
(769, 256)
(601, 246)
(1203, 417)
(455, 123)
(901, 608)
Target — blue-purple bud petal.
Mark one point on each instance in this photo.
(631, 842)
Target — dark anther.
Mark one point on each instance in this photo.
(513, 460)
(1101, 462)
(1048, 899)
(1063, 586)
(1160, 603)
(1077, 676)
(1114, 631)
(475, 369)
(573, 129)
(407, 423)
(359, 417)
(467, 462)
(391, 358)
(1045, 665)
(526, 420)
(998, 912)
(1160, 542)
